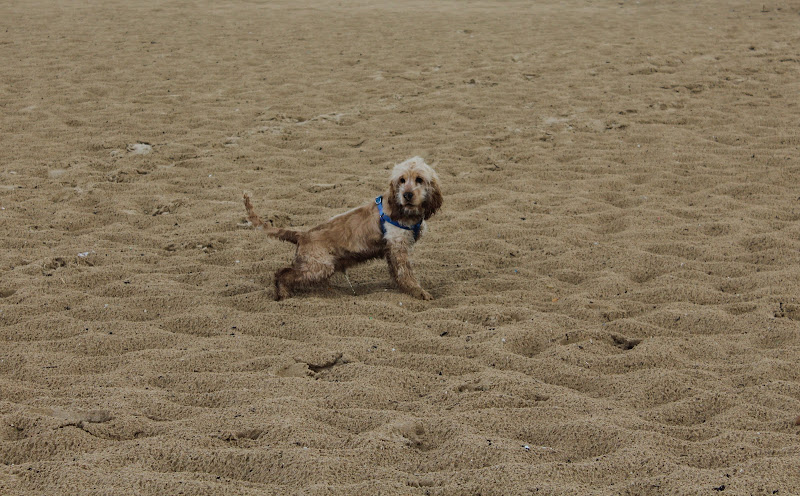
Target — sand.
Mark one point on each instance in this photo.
(615, 269)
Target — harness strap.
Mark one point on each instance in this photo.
(385, 218)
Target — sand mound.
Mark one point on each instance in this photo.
(615, 269)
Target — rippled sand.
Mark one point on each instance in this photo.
(615, 270)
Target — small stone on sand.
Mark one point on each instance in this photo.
(140, 148)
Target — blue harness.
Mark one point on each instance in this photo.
(385, 218)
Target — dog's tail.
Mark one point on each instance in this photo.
(282, 234)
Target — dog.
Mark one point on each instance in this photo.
(387, 227)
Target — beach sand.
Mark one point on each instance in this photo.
(615, 268)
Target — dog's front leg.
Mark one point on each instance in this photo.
(400, 268)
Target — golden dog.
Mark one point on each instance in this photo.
(387, 227)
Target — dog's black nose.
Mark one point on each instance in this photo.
(408, 196)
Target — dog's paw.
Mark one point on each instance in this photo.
(424, 295)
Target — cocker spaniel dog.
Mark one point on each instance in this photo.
(387, 228)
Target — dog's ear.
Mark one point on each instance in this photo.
(434, 200)
(391, 198)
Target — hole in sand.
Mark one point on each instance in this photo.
(624, 343)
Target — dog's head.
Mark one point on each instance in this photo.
(414, 189)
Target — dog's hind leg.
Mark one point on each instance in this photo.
(302, 274)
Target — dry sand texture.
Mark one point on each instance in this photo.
(615, 268)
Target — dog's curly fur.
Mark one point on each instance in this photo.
(355, 236)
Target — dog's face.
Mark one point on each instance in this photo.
(415, 188)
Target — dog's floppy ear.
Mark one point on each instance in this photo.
(434, 200)
(391, 198)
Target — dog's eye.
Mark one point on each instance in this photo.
(419, 180)
(402, 180)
